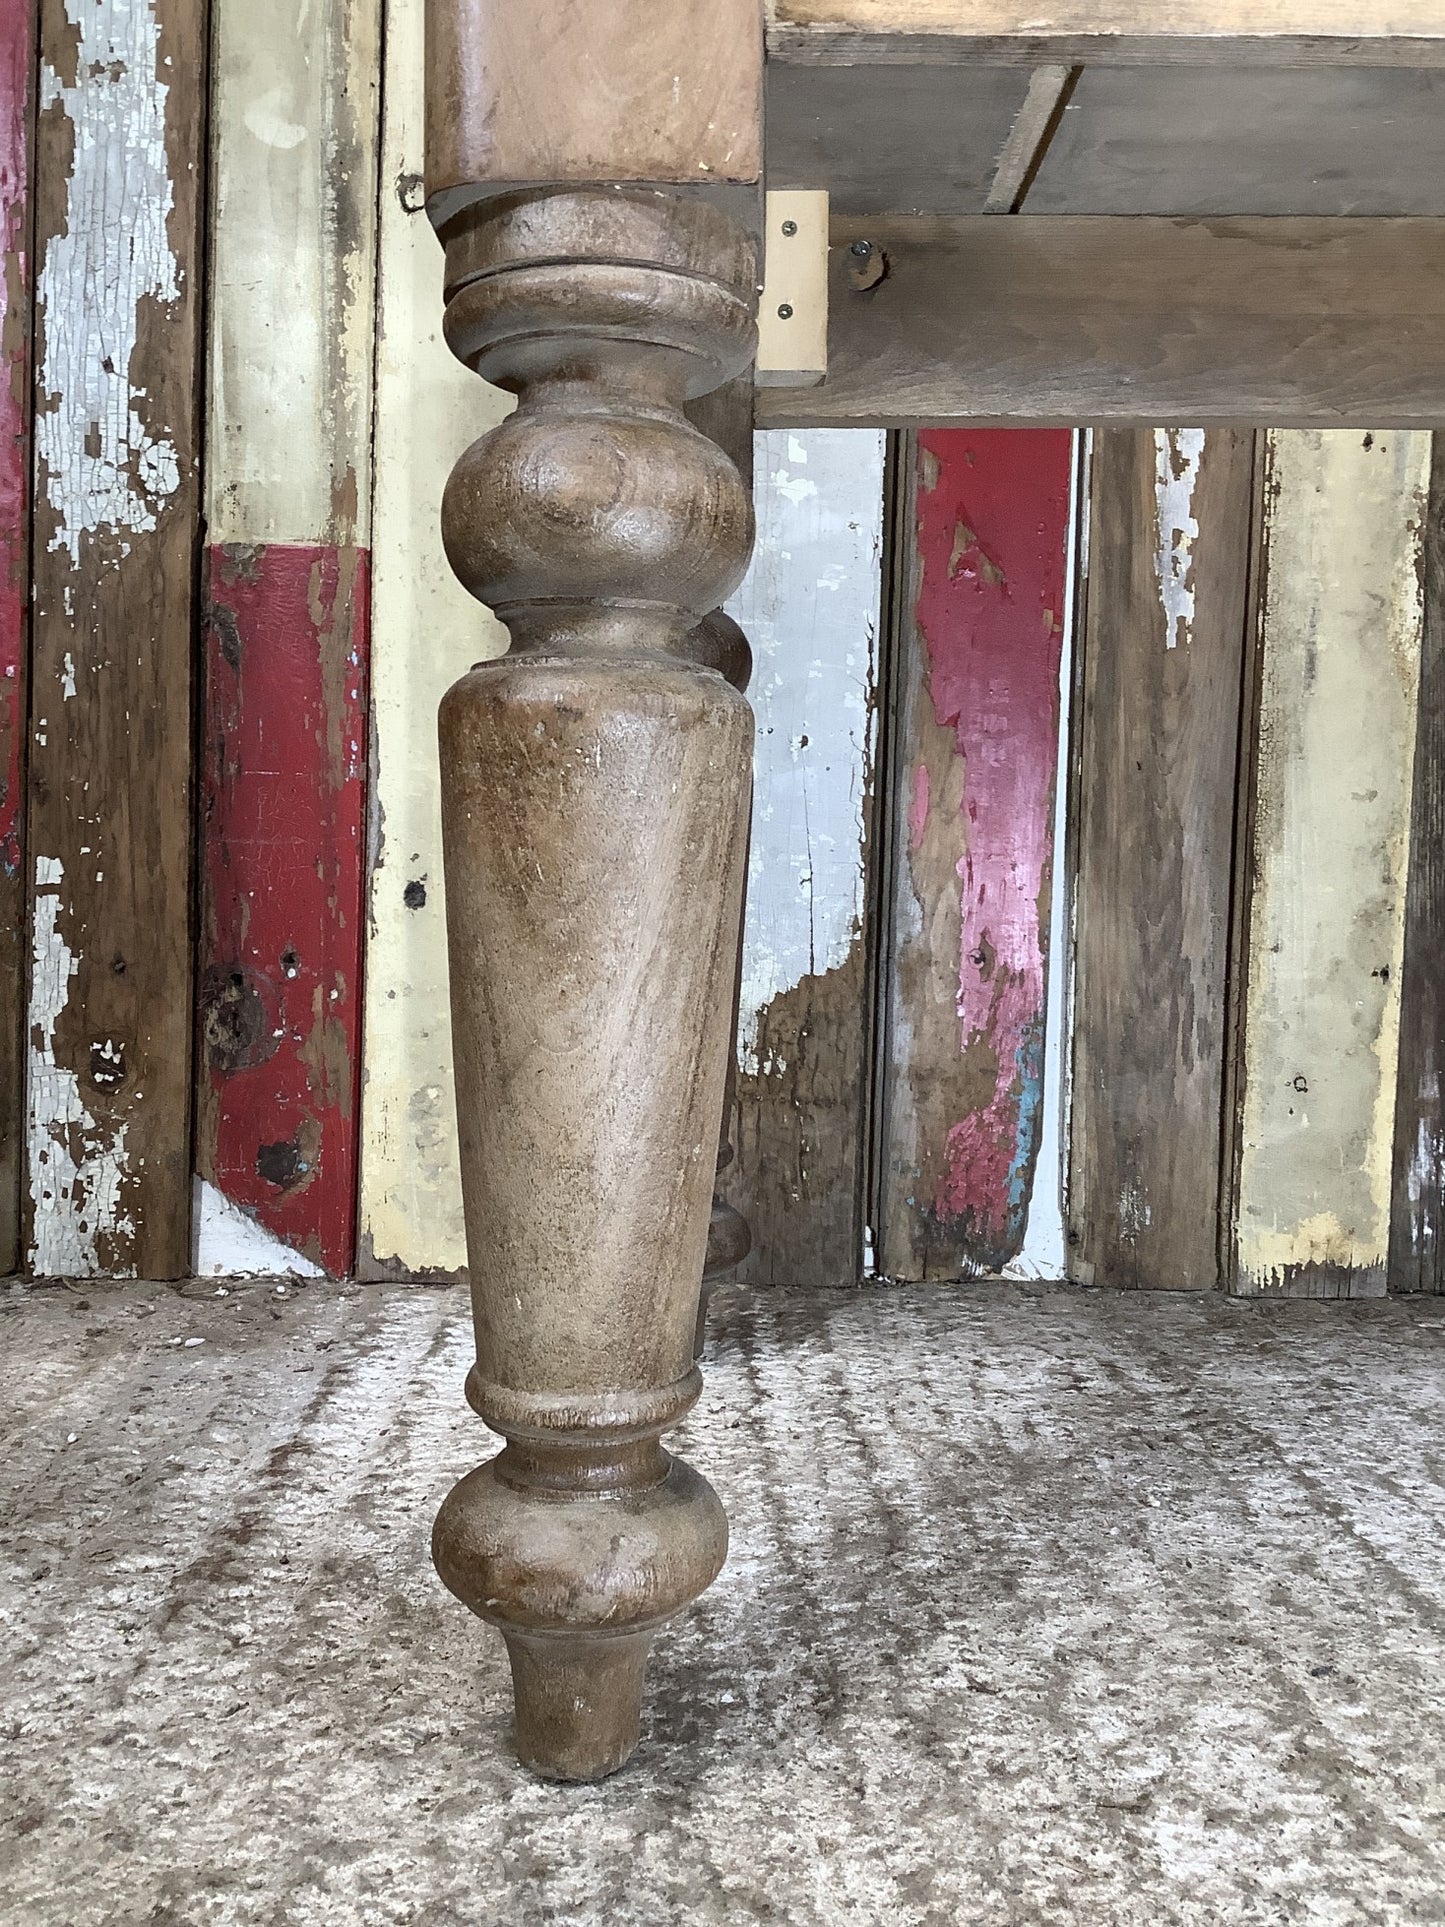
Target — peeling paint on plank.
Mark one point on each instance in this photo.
(1177, 455)
(811, 607)
(116, 507)
(17, 65)
(109, 466)
(1342, 628)
(77, 1169)
(968, 1004)
(284, 789)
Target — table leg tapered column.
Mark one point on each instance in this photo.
(595, 786)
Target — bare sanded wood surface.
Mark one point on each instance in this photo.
(118, 167)
(1328, 856)
(1158, 748)
(17, 129)
(1417, 1205)
(568, 91)
(1239, 141)
(1051, 320)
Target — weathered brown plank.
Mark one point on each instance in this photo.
(119, 162)
(1045, 321)
(17, 130)
(1164, 651)
(1417, 1212)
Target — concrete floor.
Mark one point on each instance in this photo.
(1043, 1606)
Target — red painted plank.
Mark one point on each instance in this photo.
(284, 785)
(17, 68)
(992, 513)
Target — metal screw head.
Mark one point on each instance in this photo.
(785, 311)
(861, 248)
(790, 228)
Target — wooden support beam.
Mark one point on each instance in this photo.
(1052, 321)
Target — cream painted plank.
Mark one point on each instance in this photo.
(292, 285)
(426, 631)
(1340, 662)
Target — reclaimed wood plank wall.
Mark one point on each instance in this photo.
(1101, 943)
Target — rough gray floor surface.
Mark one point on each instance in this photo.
(1042, 1606)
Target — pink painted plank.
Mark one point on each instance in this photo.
(981, 721)
(284, 786)
(17, 68)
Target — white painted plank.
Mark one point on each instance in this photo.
(1341, 655)
(426, 631)
(810, 606)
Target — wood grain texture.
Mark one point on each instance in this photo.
(811, 608)
(1160, 19)
(1158, 752)
(1030, 138)
(547, 91)
(284, 737)
(1240, 141)
(1328, 852)
(1417, 1201)
(119, 161)
(883, 140)
(796, 46)
(1051, 320)
(426, 630)
(17, 128)
(964, 1032)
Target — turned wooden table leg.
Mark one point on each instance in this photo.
(595, 784)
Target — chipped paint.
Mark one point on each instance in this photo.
(107, 469)
(969, 1001)
(77, 1168)
(284, 796)
(1177, 455)
(1341, 653)
(810, 607)
(427, 631)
